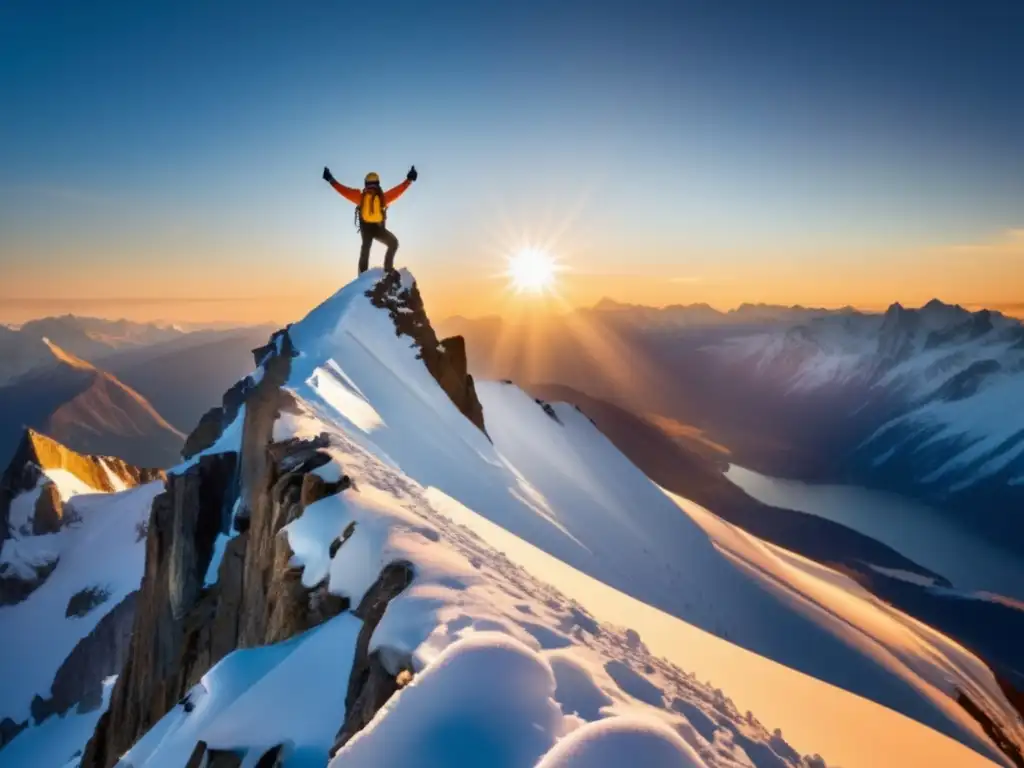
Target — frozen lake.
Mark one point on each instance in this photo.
(926, 535)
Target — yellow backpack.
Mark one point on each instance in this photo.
(372, 209)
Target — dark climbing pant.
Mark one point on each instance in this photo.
(380, 233)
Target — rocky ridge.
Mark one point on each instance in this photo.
(246, 496)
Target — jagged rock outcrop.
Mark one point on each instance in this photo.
(185, 521)
(204, 757)
(85, 600)
(375, 676)
(37, 453)
(97, 656)
(212, 423)
(183, 627)
(49, 511)
(445, 359)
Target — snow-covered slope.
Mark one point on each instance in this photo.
(36, 516)
(103, 548)
(948, 382)
(87, 337)
(498, 578)
(71, 556)
(71, 551)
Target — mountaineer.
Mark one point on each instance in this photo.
(372, 213)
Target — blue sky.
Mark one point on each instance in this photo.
(162, 138)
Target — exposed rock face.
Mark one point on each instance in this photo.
(195, 760)
(374, 677)
(212, 423)
(446, 360)
(183, 525)
(272, 758)
(183, 628)
(85, 600)
(49, 511)
(14, 589)
(98, 655)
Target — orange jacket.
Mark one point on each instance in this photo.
(356, 195)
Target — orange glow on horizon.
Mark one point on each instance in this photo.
(269, 288)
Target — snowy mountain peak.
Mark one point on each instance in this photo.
(35, 487)
(348, 570)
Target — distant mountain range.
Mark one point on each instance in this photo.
(181, 377)
(933, 395)
(115, 387)
(89, 338)
(87, 409)
(922, 401)
(690, 315)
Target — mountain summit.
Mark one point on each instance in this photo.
(369, 558)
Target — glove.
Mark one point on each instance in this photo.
(327, 174)
(413, 174)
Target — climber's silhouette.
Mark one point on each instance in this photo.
(372, 213)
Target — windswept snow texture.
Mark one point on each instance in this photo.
(533, 557)
(101, 549)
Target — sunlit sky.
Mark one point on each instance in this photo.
(164, 159)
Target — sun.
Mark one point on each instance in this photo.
(532, 271)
